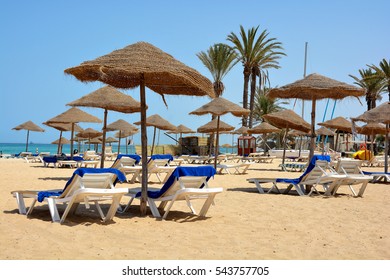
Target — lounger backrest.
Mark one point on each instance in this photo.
(348, 167)
(317, 171)
(98, 181)
(126, 161)
(195, 182)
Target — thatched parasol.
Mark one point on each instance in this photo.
(63, 127)
(122, 126)
(287, 119)
(61, 141)
(340, 124)
(108, 98)
(379, 114)
(323, 131)
(144, 65)
(217, 107)
(73, 116)
(314, 87)
(157, 122)
(29, 126)
(212, 127)
(181, 129)
(89, 133)
(111, 140)
(263, 128)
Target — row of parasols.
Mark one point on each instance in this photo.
(144, 65)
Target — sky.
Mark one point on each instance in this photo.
(40, 39)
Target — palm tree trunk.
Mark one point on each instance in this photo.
(252, 97)
(245, 93)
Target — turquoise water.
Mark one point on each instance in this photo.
(16, 148)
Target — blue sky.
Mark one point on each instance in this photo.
(42, 38)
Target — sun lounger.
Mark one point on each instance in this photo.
(85, 186)
(317, 173)
(239, 168)
(59, 161)
(378, 176)
(184, 184)
(354, 176)
(129, 165)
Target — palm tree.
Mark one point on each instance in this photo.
(255, 55)
(219, 60)
(265, 105)
(383, 71)
(372, 83)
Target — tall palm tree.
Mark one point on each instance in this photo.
(383, 71)
(255, 55)
(372, 83)
(265, 105)
(219, 60)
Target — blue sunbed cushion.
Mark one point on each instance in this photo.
(180, 171)
(312, 164)
(80, 172)
(137, 158)
(54, 159)
(168, 157)
(375, 173)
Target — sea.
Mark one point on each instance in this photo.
(16, 148)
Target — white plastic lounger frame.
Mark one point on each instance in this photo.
(89, 188)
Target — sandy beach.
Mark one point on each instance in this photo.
(242, 225)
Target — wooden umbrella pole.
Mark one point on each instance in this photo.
(313, 133)
(59, 144)
(144, 142)
(104, 139)
(154, 137)
(28, 135)
(284, 147)
(387, 148)
(216, 145)
(119, 142)
(71, 142)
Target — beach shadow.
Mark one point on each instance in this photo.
(82, 217)
(175, 216)
(54, 179)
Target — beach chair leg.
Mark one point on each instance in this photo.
(31, 208)
(126, 207)
(206, 205)
(258, 186)
(154, 208)
(20, 201)
(274, 186)
(352, 190)
(168, 208)
(114, 206)
(190, 205)
(100, 210)
(53, 210)
(362, 189)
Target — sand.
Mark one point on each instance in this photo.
(242, 225)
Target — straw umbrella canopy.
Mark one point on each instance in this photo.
(73, 116)
(314, 87)
(212, 126)
(108, 98)
(63, 127)
(323, 131)
(217, 107)
(111, 140)
(340, 124)
(144, 65)
(157, 122)
(29, 126)
(181, 129)
(89, 133)
(379, 114)
(121, 126)
(60, 141)
(263, 128)
(287, 119)
(371, 129)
